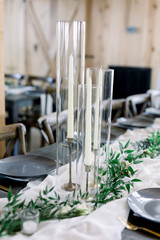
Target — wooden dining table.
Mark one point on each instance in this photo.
(102, 223)
(49, 151)
(15, 102)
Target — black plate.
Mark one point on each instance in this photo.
(146, 203)
(26, 166)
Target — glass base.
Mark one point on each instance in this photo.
(89, 198)
(70, 186)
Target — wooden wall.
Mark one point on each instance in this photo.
(2, 111)
(30, 28)
(2, 107)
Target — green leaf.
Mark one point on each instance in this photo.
(121, 147)
(128, 151)
(117, 156)
(136, 180)
(9, 193)
(128, 187)
(137, 161)
(126, 145)
(131, 170)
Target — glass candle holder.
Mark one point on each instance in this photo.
(106, 110)
(89, 122)
(99, 102)
(29, 221)
(70, 72)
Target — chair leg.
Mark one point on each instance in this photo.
(28, 138)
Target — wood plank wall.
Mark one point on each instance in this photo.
(30, 27)
(2, 107)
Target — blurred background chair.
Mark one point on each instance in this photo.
(136, 104)
(15, 79)
(39, 81)
(51, 91)
(11, 134)
(118, 110)
(47, 125)
(30, 115)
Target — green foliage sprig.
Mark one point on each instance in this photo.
(114, 178)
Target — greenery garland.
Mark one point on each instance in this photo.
(114, 179)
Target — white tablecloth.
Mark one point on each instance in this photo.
(101, 224)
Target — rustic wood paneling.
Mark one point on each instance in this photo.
(2, 107)
(14, 36)
(2, 112)
(107, 38)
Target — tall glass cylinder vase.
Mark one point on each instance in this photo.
(106, 109)
(89, 117)
(95, 124)
(70, 72)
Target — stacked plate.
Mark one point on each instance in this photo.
(146, 203)
(153, 111)
(134, 122)
(25, 167)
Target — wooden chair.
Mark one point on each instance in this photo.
(51, 90)
(10, 134)
(47, 125)
(31, 114)
(15, 76)
(39, 81)
(136, 104)
(118, 108)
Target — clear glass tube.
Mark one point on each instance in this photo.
(94, 124)
(70, 72)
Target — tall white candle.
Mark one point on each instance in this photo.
(70, 99)
(96, 122)
(88, 135)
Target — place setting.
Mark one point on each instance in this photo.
(135, 122)
(19, 170)
(144, 215)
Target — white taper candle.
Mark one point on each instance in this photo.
(70, 99)
(88, 134)
(96, 122)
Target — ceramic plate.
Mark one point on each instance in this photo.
(26, 166)
(133, 122)
(146, 203)
(51, 151)
(19, 90)
(153, 111)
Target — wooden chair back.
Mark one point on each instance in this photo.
(136, 104)
(118, 107)
(39, 81)
(10, 134)
(15, 76)
(47, 124)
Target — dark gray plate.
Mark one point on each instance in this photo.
(26, 166)
(133, 122)
(146, 203)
